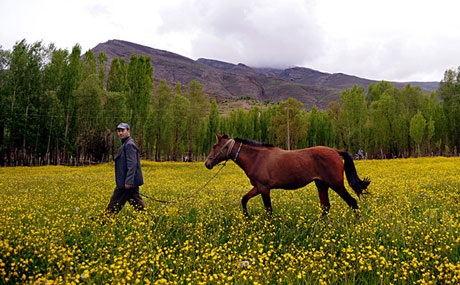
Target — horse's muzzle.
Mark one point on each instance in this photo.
(208, 165)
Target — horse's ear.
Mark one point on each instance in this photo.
(218, 136)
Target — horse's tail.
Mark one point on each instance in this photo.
(356, 184)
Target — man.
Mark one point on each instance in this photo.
(360, 154)
(128, 174)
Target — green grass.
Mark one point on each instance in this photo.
(407, 233)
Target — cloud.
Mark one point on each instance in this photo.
(415, 41)
(278, 34)
(98, 10)
(391, 40)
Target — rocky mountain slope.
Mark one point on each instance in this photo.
(227, 80)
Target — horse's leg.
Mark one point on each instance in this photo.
(342, 191)
(323, 196)
(267, 201)
(246, 198)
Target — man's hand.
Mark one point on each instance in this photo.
(128, 186)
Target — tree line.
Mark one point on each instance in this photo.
(61, 107)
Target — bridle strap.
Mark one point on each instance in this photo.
(230, 143)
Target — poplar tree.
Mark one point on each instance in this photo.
(375, 90)
(430, 131)
(180, 107)
(162, 114)
(320, 129)
(140, 83)
(52, 125)
(89, 65)
(412, 98)
(288, 124)
(449, 92)
(253, 122)
(66, 96)
(199, 108)
(264, 122)
(385, 123)
(5, 94)
(333, 110)
(25, 87)
(352, 117)
(115, 111)
(240, 120)
(417, 129)
(88, 111)
(213, 125)
(117, 76)
(101, 66)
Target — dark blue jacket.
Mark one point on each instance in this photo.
(128, 165)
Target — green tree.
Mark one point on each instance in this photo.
(162, 117)
(449, 92)
(52, 123)
(352, 118)
(115, 111)
(435, 112)
(288, 124)
(4, 101)
(199, 108)
(417, 129)
(180, 108)
(375, 90)
(430, 133)
(89, 141)
(239, 123)
(52, 109)
(101, 65)
(412, 98)
(264, 122)
(140, 83)
(333, 110)
(66, 95)
(117, 76)
(320, 129)
(382, 120)
(54, 72)
(25, 85)
(89, 64)
(253, 128)
(213, 124)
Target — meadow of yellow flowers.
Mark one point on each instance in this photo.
(408, 231)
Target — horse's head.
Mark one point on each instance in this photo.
(220, 151)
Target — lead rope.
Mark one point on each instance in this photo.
(190, 196)
(232, 143)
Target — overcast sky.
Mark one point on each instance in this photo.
(394, 40)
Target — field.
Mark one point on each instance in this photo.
(408, 231)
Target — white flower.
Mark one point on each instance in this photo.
(244, 263)
(85, 274)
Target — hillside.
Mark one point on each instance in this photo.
(226, 80)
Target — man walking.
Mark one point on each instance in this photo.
(128, 174)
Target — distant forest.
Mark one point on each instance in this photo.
(62, 107)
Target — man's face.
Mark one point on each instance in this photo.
(123, 133)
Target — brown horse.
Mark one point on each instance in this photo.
(269, 167)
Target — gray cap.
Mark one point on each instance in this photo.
(123, 126)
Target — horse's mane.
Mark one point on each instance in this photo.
(253, 143)
(249, 142)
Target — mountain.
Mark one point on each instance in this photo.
(227, 80)
(310, 76)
